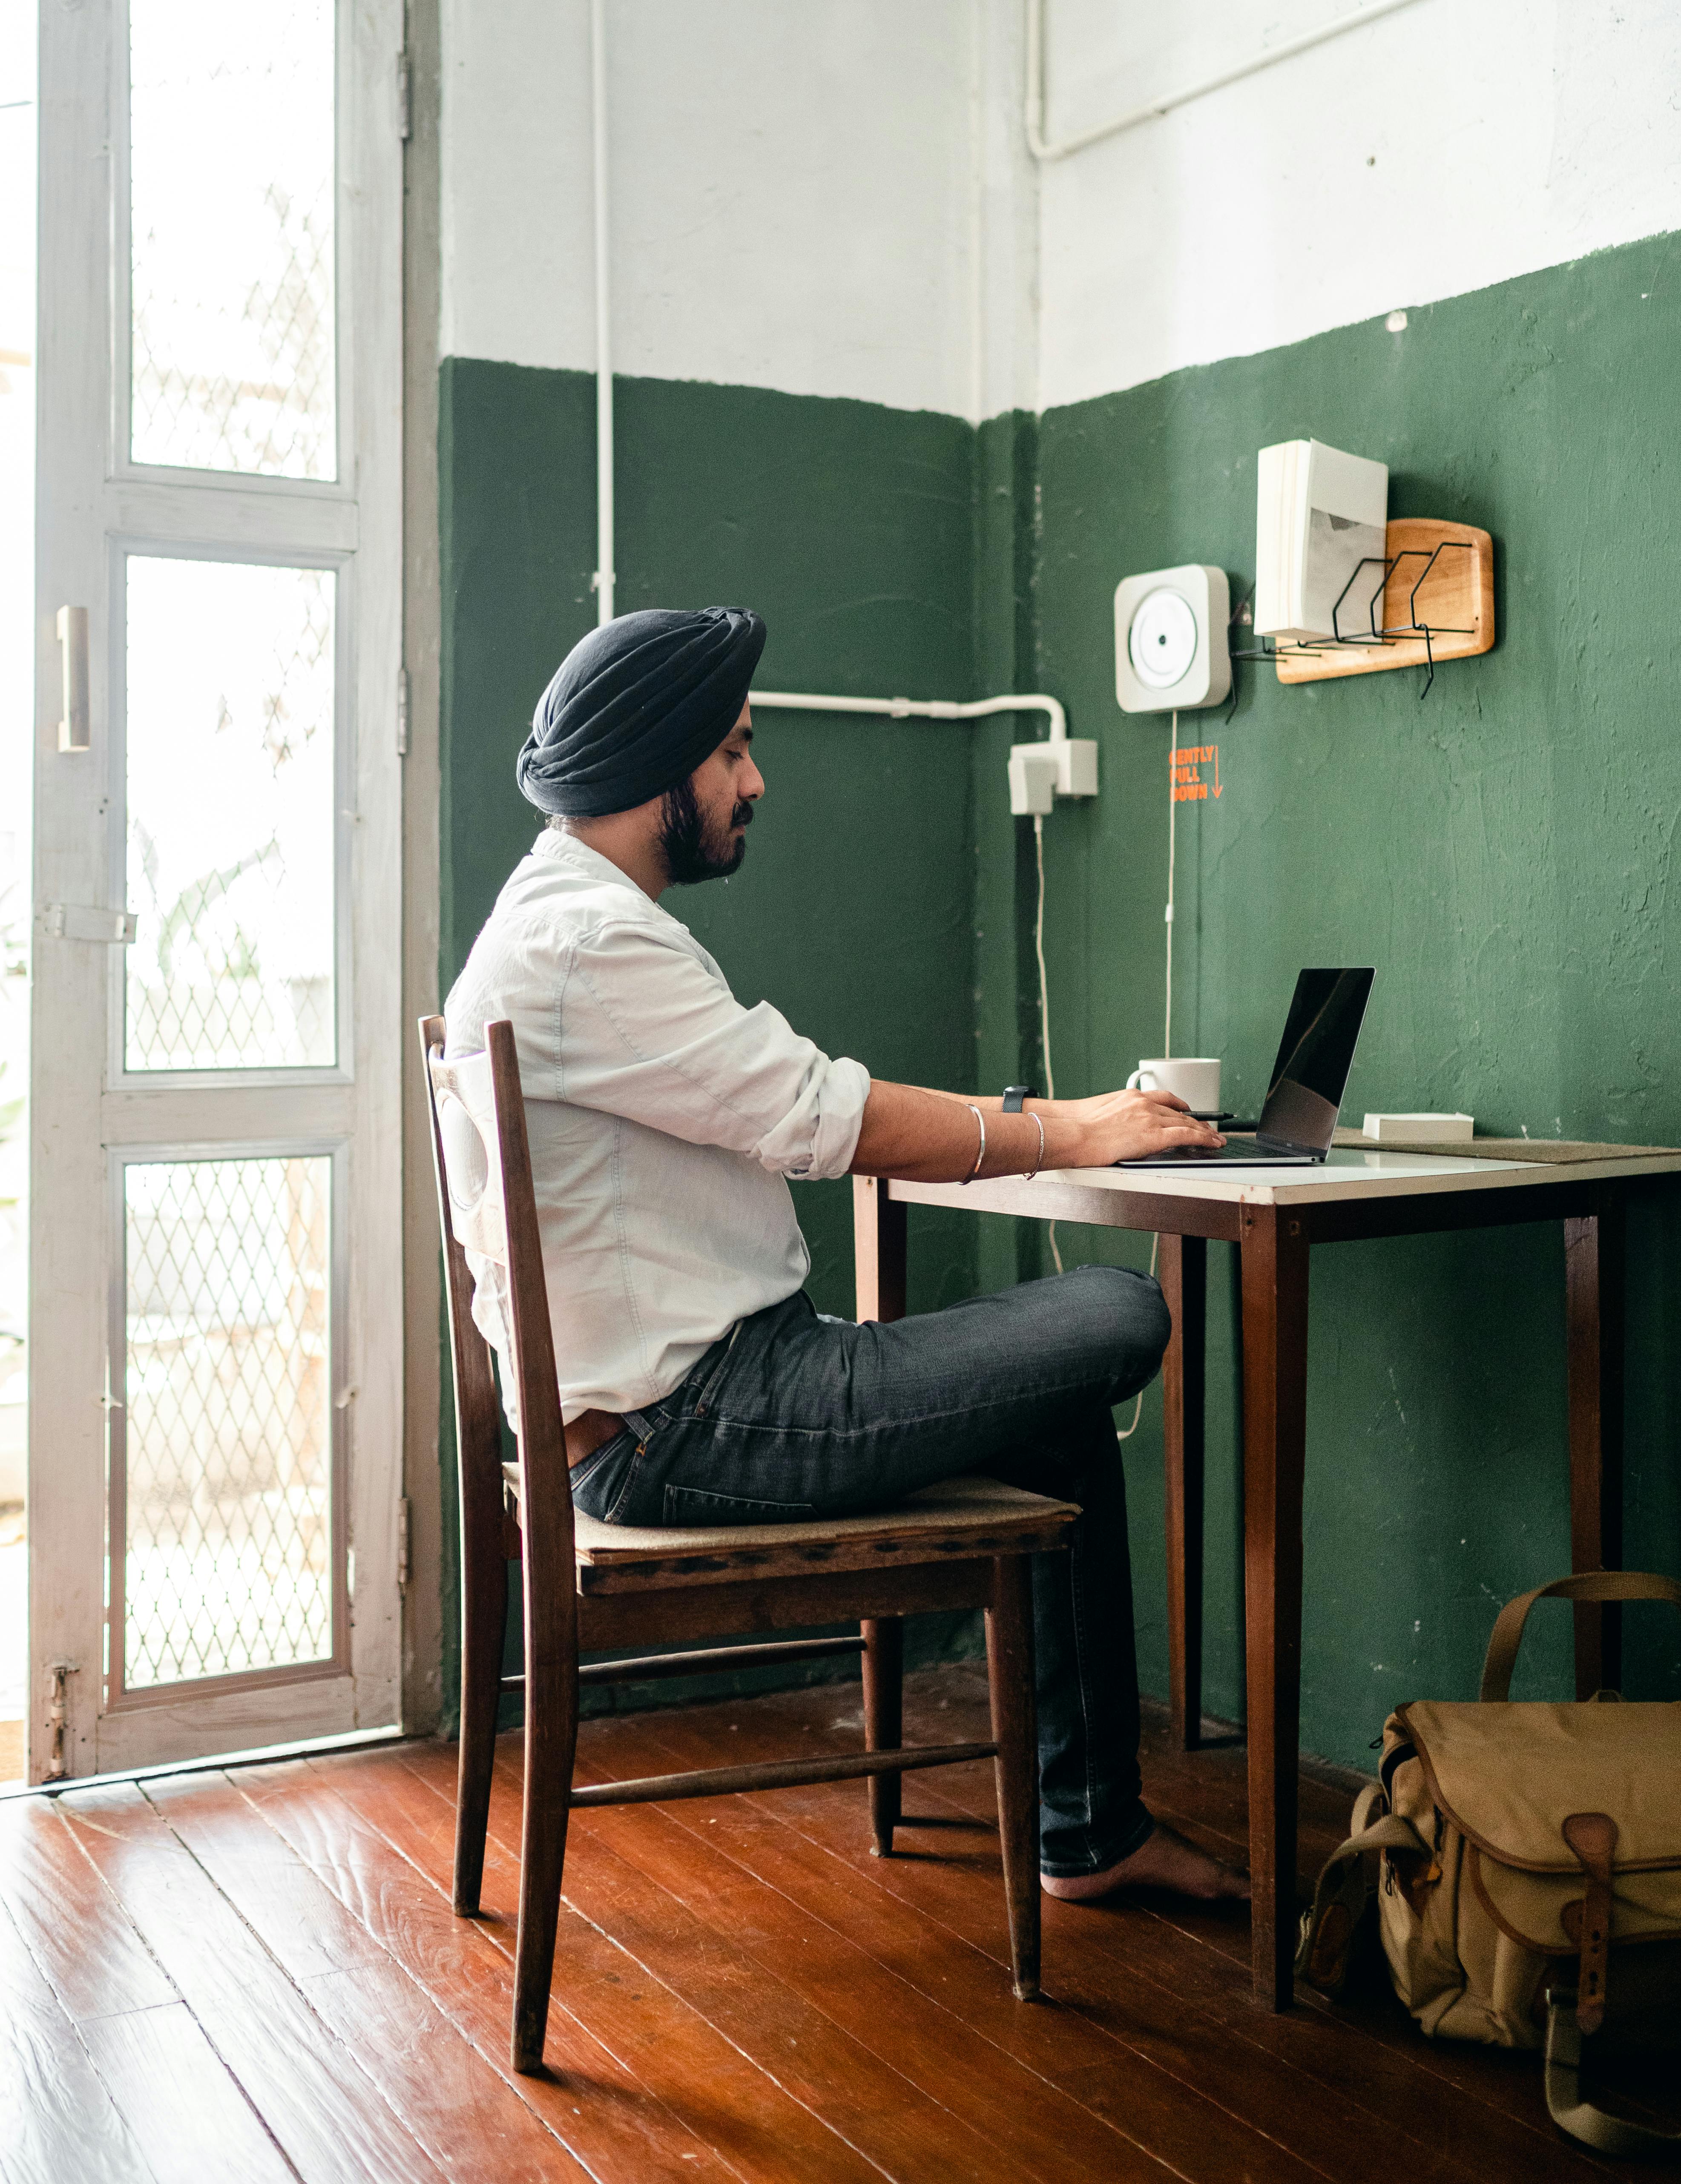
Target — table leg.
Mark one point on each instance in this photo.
(1274, 1251)
(1183, 1265)
(1594, 1345)
(879, 1249)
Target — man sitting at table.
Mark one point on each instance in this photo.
(699, 1385)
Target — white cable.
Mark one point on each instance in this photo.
(1039, 950)
(1121, 1433)
(941, 709)
(1044, 996)
(1125, 1433)
(1172, 817)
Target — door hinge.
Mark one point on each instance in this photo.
(81, 921)
(403, 97)
(403, 1545)
(402, 712)
(58, 1716)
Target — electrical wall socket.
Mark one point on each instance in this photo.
(1033, 779)
(1041, 772)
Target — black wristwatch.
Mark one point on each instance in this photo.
(1015, 1095)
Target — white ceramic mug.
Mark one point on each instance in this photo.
(1196, 1081)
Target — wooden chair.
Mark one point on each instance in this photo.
(590, 1586)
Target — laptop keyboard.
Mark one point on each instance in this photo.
(1234, 1149)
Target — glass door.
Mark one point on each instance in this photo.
(215, 1191)
(17, 693)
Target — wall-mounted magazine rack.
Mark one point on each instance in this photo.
(1431, 598)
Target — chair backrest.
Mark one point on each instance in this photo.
(486, 1202)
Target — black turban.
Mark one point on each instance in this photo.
(636, 706)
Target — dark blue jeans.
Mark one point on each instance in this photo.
(792, 1416)
(795, 1416)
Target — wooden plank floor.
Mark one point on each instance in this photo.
(255, 1975)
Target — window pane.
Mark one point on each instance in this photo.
(230, 120)
(229, 779)
(227, 1441)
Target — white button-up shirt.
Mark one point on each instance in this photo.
(663, 1117)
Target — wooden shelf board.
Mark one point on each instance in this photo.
(1456, 600)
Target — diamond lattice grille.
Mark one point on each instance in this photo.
(230, 122)
(229, 1557)
(230, 704)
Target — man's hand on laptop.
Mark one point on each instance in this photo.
(1129, 1125)
(941, 1137)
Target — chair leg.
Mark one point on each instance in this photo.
(550, 1747)
(1010, 1675)
(542, 1853)
(883, 1665)
(484, 1617)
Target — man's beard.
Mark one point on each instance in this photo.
(691, 854)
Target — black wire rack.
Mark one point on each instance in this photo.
(1390, 634)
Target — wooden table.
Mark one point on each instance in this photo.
(1276, 1215)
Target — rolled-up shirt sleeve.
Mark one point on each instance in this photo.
(654, 1034)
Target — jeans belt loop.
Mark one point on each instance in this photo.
(717, 1373)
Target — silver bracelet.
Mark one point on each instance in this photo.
(981, 1155)
(1034, 1171)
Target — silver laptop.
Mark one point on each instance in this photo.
(1308, 1079)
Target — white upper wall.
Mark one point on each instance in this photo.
(1442, 148)
(833, 197)
(794, 187)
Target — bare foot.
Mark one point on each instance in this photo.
(1166, 1860)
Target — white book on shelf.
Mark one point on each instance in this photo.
(1319, 515)
(1274, 606)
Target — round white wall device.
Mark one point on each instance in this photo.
(1170, 650)
(1162, 641)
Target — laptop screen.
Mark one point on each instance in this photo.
(1314, 1056)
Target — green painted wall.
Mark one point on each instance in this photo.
(851, 528)
(1503, 852)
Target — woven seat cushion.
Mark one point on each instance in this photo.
(955, 1504)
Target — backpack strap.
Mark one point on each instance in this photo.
(1587, 1584)
(1325, 1941)
(1593, 1838)
(1606, 2134)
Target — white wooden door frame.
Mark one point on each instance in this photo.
(87, 1117)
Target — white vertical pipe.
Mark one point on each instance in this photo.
(977, 221)
(604, 577)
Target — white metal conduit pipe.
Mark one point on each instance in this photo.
(603, 579)
(1039, 773)
(1036, 78)
(919, 709)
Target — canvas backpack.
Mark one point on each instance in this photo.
(1525, 1862)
